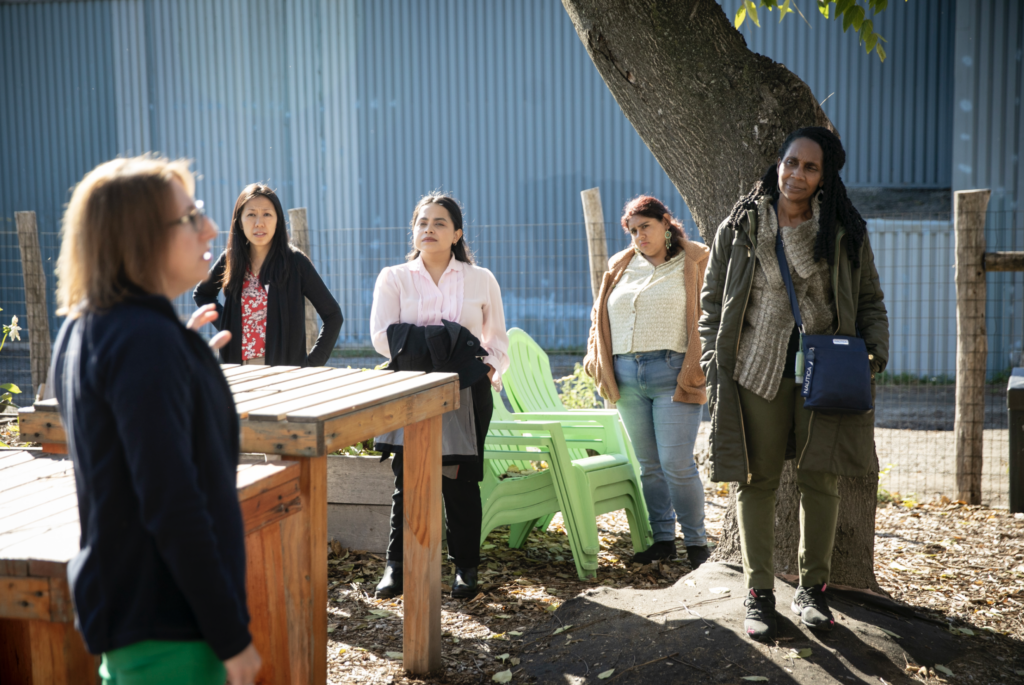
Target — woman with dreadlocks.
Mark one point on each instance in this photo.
(750, 343)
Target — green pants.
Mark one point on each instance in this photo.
(769, 426)
(163, 662)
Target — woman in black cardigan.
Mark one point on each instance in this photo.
(266, 282)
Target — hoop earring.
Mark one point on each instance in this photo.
(668, 240)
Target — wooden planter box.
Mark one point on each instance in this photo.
(359, 492)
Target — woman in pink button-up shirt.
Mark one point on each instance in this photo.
(440, 282)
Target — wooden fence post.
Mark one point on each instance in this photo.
(597, 243)
(300, 237)
(36, 313)
(971, 340)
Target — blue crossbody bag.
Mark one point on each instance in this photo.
(835, 368)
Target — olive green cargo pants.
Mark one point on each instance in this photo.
(768, 426)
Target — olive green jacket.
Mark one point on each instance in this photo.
(837, 443)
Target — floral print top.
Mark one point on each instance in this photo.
(254, 318)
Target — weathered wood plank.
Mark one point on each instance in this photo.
(288, 382)
(260, 372)
(34, 470)
(333, 408)
(24, 598)
(298, 594)
(270, 382)
(313, 485)
(342, 431)
(40, 426)
(282, 437)
(319, 384)
(62, 609)
(253, 479)
(45, 405)
(279, 408)
(359, 479)
(360, 526)
(1003, 261)
(271, 506)
(59, 656)
(13, 458)
(422, 522)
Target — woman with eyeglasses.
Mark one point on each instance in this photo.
(266, 282)
(159, 584)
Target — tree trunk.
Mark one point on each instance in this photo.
(714, 114)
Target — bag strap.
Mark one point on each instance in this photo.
(780, 252)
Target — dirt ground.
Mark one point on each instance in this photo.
(958, 569)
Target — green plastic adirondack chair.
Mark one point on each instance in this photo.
(530, 387)
(582, 489)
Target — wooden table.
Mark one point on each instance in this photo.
(39, 534)
(302, 414)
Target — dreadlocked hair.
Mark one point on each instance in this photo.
(835, 205)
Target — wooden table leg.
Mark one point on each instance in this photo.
(313, 488)
(422, 548)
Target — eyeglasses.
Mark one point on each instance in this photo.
(194, 217)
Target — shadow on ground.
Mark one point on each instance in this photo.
(692, 632)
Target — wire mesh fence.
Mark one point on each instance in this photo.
(543, 271)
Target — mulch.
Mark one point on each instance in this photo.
(960, 567)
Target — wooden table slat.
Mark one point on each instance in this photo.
(312, 389)
(32, 495)
(288, 383)
(278, 412)
(13, 458)
(264, 382)
(328, 410)
(261, 372)
(301, 388)
(239, 370)
(38, 468)
(45, 405)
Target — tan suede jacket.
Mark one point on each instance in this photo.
(598, 362)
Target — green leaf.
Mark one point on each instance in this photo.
(866, 29)
(604, 675)
(823, 7)
(942, 669)
(741, 16)
(503, 656)
(752, 11)
(890, 633)
(784, 10)
(10, 387)
(394, 655)
(755, 678)
(503, 676)
(856, 15)
(881, 51)
(870, 43)
(843, 5)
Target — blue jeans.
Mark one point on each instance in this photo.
(663, 433)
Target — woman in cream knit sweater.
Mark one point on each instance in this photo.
(644, 353)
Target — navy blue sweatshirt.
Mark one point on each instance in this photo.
(153, 433)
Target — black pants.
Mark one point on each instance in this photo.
(462, 507)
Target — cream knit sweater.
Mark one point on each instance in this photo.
(647, 307)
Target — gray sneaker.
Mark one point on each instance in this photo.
(810, 605)
(760, 623)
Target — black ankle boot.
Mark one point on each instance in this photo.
(697, 555)
(659, 551)
(390, 584)
(465, 585)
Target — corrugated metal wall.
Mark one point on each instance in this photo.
(988, 131)
(895, 118)
(355, 108)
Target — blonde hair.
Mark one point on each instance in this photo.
(115, 231)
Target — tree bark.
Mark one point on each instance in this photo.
(714, 115)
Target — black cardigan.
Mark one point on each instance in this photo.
(153, 433)
(286, 314)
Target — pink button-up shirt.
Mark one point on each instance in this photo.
(466, 294)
